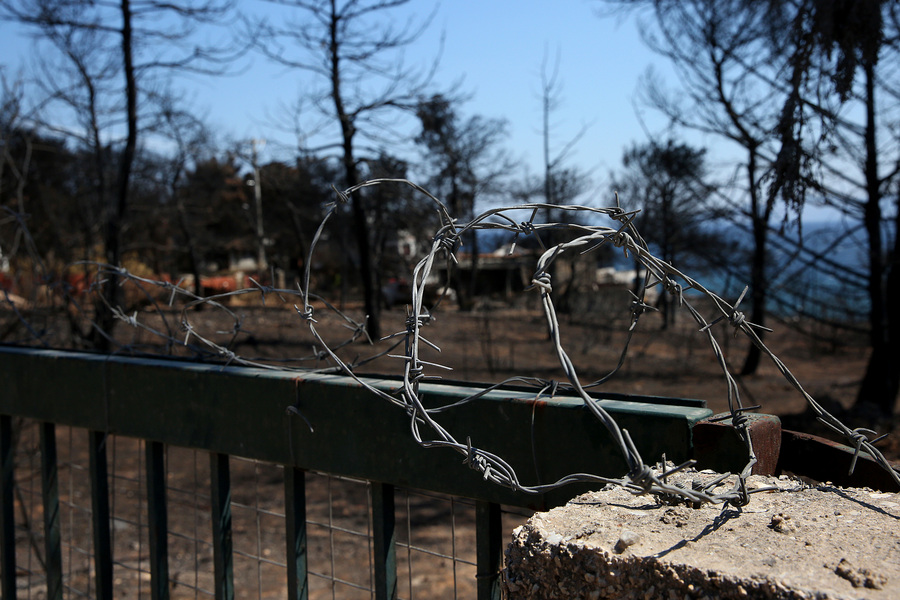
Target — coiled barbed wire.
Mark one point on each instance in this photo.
(425, 427)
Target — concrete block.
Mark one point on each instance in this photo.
(792, 542)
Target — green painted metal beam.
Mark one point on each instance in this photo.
(243, 412)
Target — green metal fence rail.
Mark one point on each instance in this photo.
(343, 430)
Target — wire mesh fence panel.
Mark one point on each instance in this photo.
(29, 533)
(436, 546)
(129, 528)
(435, 537)
(75, 514)
(339, 537)
(258, 525)
(75, 511)
(189, 533)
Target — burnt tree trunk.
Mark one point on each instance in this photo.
(351, 173)
(115, 214)
(758, 284)
(881, 381)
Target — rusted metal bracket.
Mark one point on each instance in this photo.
(718, 446)
(824, 460)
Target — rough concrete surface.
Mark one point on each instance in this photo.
(794, 542)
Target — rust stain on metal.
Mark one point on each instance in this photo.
(718, 446)
(824, 460)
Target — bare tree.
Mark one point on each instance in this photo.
(354, 50)
(667, 182)
(466, 163)
(39, 177)
(295, 196)
(558, 181)
(192, 140)
(841, 115)
(719, 51)
(11, 126)
(132, 40)
(562, 182)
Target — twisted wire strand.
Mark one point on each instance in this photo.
(664, 274)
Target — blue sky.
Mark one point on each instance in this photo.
(496, 47)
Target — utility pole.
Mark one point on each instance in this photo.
(257, 194)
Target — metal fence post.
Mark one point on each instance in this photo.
(223, 559)
(50, 492)
(7, 516)
(384, 539)
(99, 475)
(158, 520)
(489, 549)
(295, 534)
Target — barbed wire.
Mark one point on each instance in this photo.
(183, 334)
